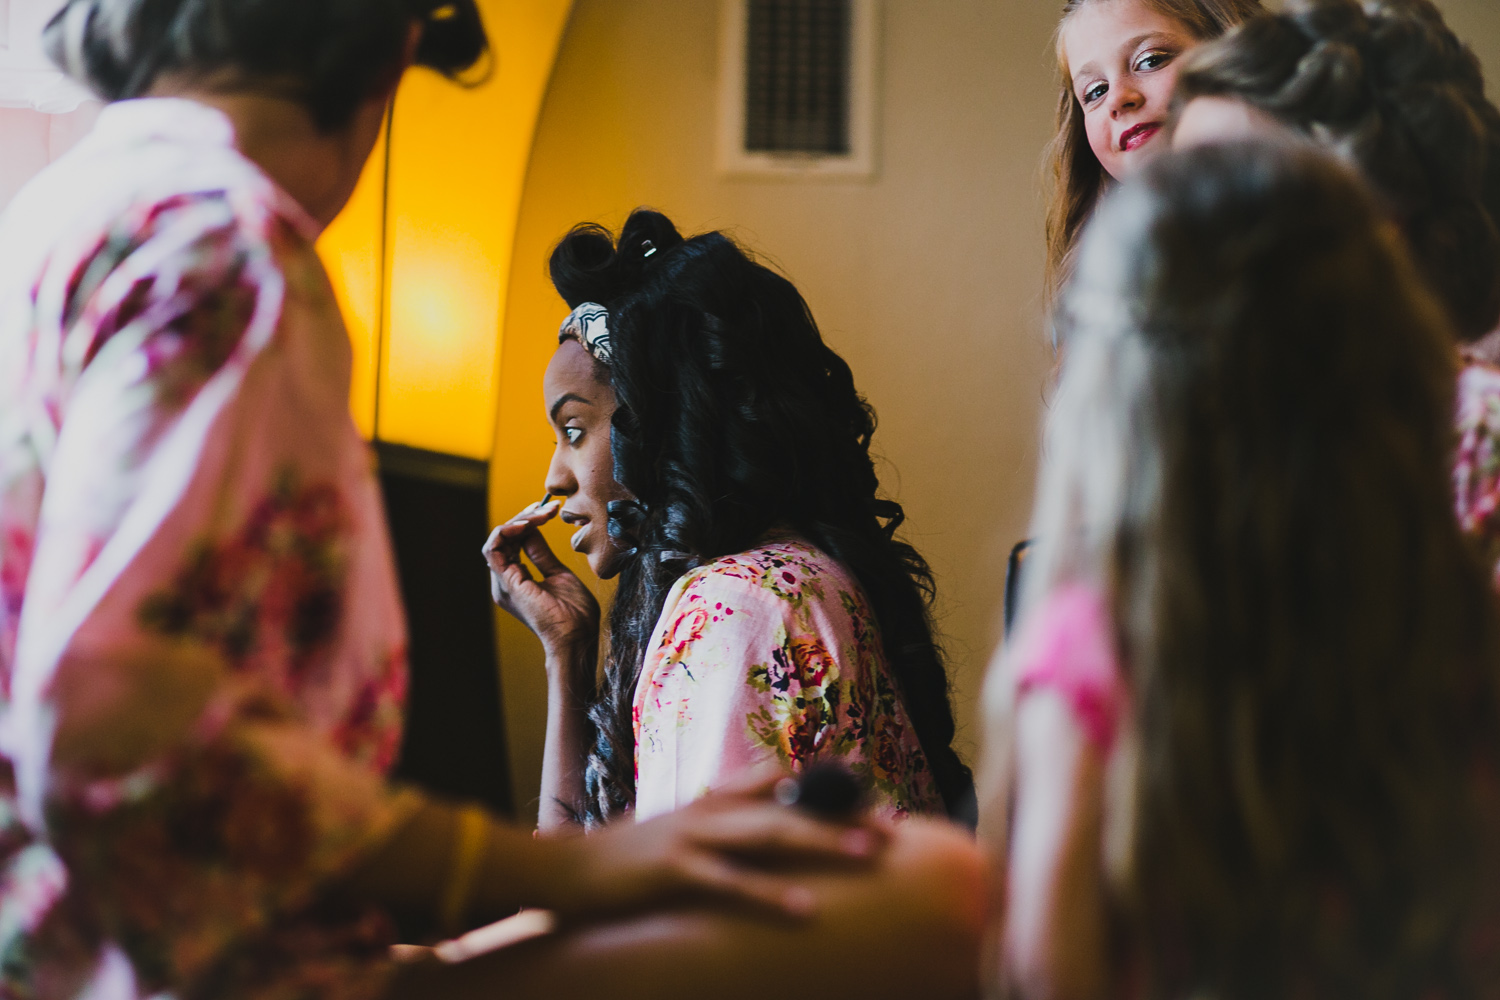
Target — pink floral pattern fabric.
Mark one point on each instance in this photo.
(771, 655)
(1476, 468)
(202, 661)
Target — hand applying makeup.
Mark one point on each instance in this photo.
(555, 606)
(564, 615)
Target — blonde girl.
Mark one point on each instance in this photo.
(1117, 61)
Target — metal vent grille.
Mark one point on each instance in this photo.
(797, 77)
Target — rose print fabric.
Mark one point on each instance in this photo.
(771, 655)
(202, 658)
(1476, 469)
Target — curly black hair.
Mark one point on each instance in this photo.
(733, 417)
(1388, 84)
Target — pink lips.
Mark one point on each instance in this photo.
(570, 518)
(1138, 135)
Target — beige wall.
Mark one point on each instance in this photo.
(926, 279)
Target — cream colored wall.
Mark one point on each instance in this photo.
(926, 279)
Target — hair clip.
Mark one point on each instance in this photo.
(650, 248)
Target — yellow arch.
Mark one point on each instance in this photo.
(443, 204)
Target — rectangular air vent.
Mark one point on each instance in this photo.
(797, 88)
(797, 77)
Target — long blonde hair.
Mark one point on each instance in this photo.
(1077, 179)
(1248, 455)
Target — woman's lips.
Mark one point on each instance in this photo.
(570, 518)
(1138, 135)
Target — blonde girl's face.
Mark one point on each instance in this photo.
(1122, 57)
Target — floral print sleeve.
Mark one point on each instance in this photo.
(201, 645)
(1476, 468)
(771, 655)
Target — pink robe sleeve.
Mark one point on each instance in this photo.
(1067, 647)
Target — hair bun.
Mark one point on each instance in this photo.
(329, 55)
(646, 231)
(1411, 45)
(1323, 19)
(587, 265)
(1330, 85)
(453, 37)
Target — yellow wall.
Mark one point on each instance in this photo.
(456, 167)
(350, 248)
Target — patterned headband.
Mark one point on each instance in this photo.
(589, 325)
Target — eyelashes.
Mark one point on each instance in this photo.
(1149, 61)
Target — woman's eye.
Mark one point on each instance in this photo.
(1094, 93)
(573, 434)
(1153, 60)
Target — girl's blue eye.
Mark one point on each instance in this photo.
(1153, 60)
(573, 434)
(1094, 93)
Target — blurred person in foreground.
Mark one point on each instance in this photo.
(1247, 738)
(201, 644)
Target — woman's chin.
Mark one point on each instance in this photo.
(606, 563)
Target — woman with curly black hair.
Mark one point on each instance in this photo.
(715, 455)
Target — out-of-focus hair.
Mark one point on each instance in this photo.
(330, 55)
(732, 418)
(1387, 84)
(1075, 175)
(1248, 453)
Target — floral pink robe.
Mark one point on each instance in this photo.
(771, 655)
(201, 640)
